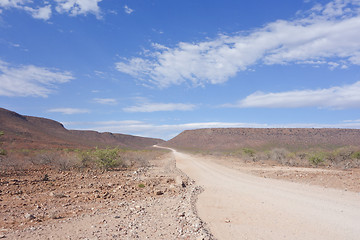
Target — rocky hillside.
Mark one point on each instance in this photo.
(264, 138)
(34, 132)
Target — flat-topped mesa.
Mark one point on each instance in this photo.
(264, 138)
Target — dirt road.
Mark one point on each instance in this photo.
(236, 205)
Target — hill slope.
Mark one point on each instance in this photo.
(34, 132)
(264, 138)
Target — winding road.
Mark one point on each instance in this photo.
(237, 205)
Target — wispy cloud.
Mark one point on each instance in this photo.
(104, 123)
(128, 10)
(352, 121)
(325, 34)
(335, 98)
(157, 107)
(106, 101)
(29, 80)
(69, 111)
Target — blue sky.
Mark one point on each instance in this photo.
(157, 67)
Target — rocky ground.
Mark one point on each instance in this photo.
(157, 202)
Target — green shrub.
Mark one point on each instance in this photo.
(248, 151)
(141, 185)
(356, 155)
(3, 152)
(316, 159)
(108, 158)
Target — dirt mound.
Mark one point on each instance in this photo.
(34, 132)
(264, 138)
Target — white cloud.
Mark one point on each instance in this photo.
(69, 111)
(37, 12)
(13, 3)
(106, 101)
(79, 7)
(157, 107)
(29, 80)
(71, 7)
(335, 97)
(43, 13)
(128, 10)
(327, 33)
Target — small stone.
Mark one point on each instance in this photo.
(159, 192)
(29, 216)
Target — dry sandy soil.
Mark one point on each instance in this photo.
(95, 205)
(239, 205)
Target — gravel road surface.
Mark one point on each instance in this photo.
(237, 205)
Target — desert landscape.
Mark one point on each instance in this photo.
(66, 184)
(193, 120)
(61, 184)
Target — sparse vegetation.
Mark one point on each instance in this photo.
(78, 159)
(141, 185)
(112, 158)
(3, 152)
(341, 157)
(248, 151)
(316, 159)
(356, 155)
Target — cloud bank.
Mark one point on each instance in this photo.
(30, 80)
(168, 131)
(335, 98)
(326, 34)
